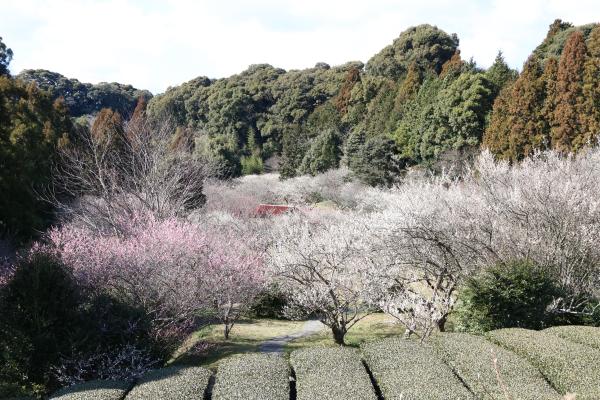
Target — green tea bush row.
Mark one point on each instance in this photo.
(490, 371)
(331, 374)
(94, 390)
(253, 377)
(407, 370)
(173, 383)
(570, 367)
(588, 335)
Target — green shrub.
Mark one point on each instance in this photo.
(588, 335)
(504, 296)
(570, 367)
(330, 374)
(173, 383)
(39, 308)
(270, 303)
(472, 358)
(94, 390)
(406, 370)
(253, 377)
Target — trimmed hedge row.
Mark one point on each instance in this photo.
(472, 358)
(588, 335)
(335, 373)
(253, 377)
(406, 370)
(172, 383)
(94, 390)
(569, 366)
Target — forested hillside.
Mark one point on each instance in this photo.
(555, 102)
(414, 102)
(85, 98)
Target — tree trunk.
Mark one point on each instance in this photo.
(441, 324)
(338, 335)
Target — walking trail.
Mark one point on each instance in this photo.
(275, 345)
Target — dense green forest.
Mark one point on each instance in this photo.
(415, 103)
(85, 98)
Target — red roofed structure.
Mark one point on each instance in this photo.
(272, 209)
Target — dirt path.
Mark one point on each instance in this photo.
(275, 345)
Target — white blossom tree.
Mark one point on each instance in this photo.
(323, 262)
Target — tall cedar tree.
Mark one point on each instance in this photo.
(453, 66)
(343, 98)
(551, 92)
(568, 135)
(500, 74)
(409, 87)
(108, 128)
(591, 88)
(517, 127)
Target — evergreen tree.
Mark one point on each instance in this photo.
(453, 67)
(108, 129)
(353, 147)
(496, 136)
(549, 78)
(294, 147)
(342, 100)
(517, 126)
(323, 154)
(31, 128)
(568, 134)
(6, 56)
(500, 74)
(459, 116)
(376, 162)
(591, 88)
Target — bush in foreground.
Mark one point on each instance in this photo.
(570, 367)
(516, 294)
(491, 371)
(331, 374)
(253, 377)
(173, 383)
(407, 370)
(39, 310)
(588, 335)
(94, 390)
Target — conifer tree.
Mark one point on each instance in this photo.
(352, 149)
(591, 88)
(453, 67)
(500, 74)
(343, 98)
(550, 93)
(527, 127)
(409, 87)
(496, 136)
(568, 134)
(6, 56)
(517, 126)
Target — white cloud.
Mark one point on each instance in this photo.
(154, 44)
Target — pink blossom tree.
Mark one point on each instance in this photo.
(171, 268)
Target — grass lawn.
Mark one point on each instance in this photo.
(248, 334)
(371, 327)
(245, 336)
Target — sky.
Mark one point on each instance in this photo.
(154, 44)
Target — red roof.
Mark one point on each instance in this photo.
(272, 209)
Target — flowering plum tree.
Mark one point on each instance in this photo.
(171, 268)
(322, 262)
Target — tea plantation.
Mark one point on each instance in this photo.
(514, 364)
